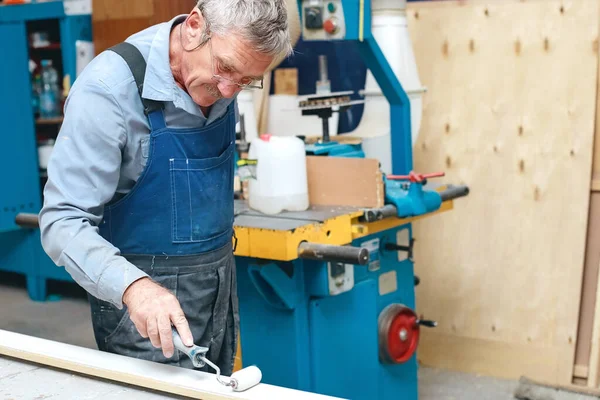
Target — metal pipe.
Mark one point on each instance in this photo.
(323, 73)
(27, 220)
(376, 214)
(331, 253)
(454, 192)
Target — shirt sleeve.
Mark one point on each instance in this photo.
(83, 174)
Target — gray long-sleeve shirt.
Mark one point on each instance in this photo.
(100, 152)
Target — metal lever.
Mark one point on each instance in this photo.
(27, 220)
(331, 253)
(399, 247)
(427, 323)
(453, 192)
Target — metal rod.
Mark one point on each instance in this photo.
(217, 371)
(376, 214)
(454, 192)
(27, 220)
(323, 76)
(331, 253)
(325, 123)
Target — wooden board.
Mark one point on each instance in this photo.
(532, 390)
(25, 380)
(594, 359)
(341, 181)
(587, 354)
(509, 111)
(589, 287)
(286, 81)
(146, 374)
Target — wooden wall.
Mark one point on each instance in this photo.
(114, 20)
(510, 111)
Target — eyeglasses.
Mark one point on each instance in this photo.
(246, 84)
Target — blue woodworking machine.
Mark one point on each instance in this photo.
(327, 299)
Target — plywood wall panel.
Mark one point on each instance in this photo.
(510, 112)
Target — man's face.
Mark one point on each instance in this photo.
(229, 57)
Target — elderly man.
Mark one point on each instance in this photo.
(139, 201)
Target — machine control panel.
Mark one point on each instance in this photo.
(340, 277)
(313, 17)
(323, 20)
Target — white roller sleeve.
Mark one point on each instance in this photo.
(246, 378)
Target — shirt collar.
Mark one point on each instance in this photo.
(159, 83)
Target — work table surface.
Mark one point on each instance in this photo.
(21, 380)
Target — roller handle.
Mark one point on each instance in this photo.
(195, 353)
(331, 253)
(27, 220)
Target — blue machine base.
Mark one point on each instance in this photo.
(21, 252)
(302, 337)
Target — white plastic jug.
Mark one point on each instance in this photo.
(281, 182)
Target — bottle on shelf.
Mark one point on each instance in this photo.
(50, 94)
(36, 93)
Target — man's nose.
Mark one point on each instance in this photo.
(227, 90)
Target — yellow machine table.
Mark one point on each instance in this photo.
(278, 237)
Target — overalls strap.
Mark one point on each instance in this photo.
(137, 65)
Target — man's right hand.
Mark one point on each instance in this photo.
(152, 309)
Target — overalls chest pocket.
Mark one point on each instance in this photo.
(202, 196)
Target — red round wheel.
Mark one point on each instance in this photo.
(398, 334)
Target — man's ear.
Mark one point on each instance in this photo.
(193, 30)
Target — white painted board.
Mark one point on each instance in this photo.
(146, 374)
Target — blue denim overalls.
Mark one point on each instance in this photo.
(176, 224)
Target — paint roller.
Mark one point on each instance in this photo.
(238, 381)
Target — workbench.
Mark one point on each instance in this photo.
(26, 380)
(35, 368)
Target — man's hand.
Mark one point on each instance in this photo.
(152, 309)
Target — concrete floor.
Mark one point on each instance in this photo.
(67, 320)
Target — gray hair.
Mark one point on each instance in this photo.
(263, 23)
